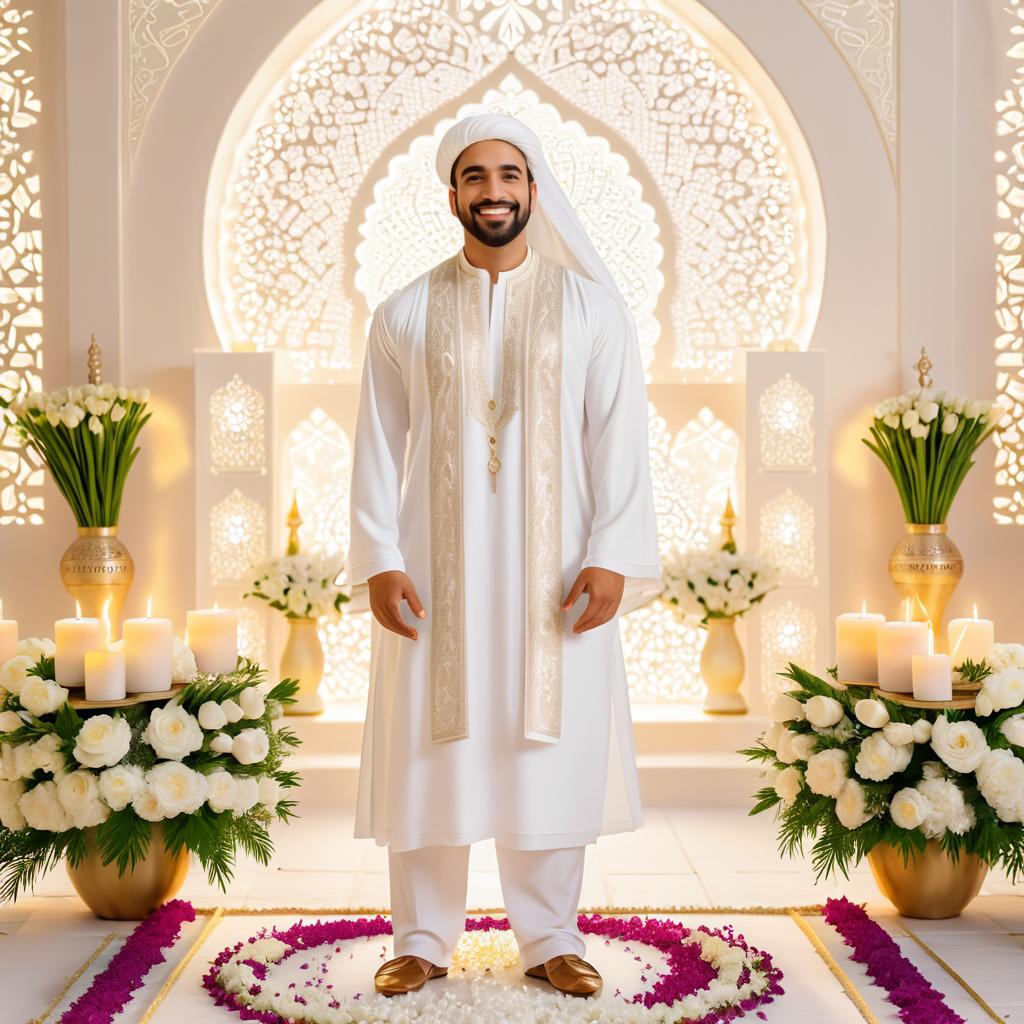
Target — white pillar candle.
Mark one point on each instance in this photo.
(73, 638)
(8, 637)
(898, 642)
(857, 646)
(970, 639)
(213, 636)
(932, 676)
(104, 675)
(149, 652)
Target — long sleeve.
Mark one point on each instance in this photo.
(624, 532)
(378, 463)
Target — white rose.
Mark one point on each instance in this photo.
(908, 808)
(221, 743)
(46, 753)
(1001, 782)
(922, 730)
(827, 772)
(1005, 689)
(221, 791)
(250, 746)
(252, 702)
(183, 663)
(36, 647)
(41, 696)
(173, 733)
(9, 721)
(1013, 730)
(24, 760)
(211, 716)
(248, 794)
(878, 759)
(10, 813)
(786, 708)
(271, 792)
(803, 744)
(102, 741)
(851, 809)
(120, 785)
(14, 672)
(43, 810)
(1003, 656)
(784, 752)
(79, 795)
(947, 808)
(983, 705)
(871, 713)
(177, 788)
(147, 806)
(898, 733)
(771, 736)
(788, 784)
(232, 710)
(961, 745)
(823, 712)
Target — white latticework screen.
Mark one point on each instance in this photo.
(684, 164)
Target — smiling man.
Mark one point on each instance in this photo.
(501, 497)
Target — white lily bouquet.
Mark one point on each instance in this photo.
(207, 763)
(719, 584)
(849, 770)
(926, 440)
(86, 436)
(302, 586)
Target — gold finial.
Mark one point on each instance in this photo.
(728, 521)
(294, 521)
(95, 362)
(923, 366)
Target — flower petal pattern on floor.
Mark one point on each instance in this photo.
(674, 973)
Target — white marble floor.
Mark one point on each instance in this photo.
(683, 857)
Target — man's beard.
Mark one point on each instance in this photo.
(494, 234)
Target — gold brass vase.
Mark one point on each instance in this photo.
(140, 890)
(930, 885)
(722, 667)
(97, 568)
(303, 660)
(925, 567)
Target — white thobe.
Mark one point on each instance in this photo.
(494, 782)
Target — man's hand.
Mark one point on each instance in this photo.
(387, 591)
(604, 589)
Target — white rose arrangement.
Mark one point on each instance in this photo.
(926, 440)
(847, 770)
(302, 586)
(86, 436)
(208, 762)
(716, 584)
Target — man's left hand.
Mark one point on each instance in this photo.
(604, 591)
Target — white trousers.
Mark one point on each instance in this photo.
(541, 890)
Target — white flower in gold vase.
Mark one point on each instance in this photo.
(211, 716)
(120, 785)
(47, 755)
(102, 741)
(922, 729)
(786, 708)
(878, 759)
(871, 713)
(947, 808)
(961, 745)
(851, 806)
(43, 810)
(177, 788)
(248, 794)
(827, 772)
(42, 696)
(221, 791)
(173, 733)
(898, 733)
(10, 813)
(9, 721)
(908, 808)
(250, 746)
(270, 791)
(252, 702)
(1004, 689)
(788, 784)
(221, 743)
(1001, 782)
(1013, 730)
(147, 806)
(802, 744)
(823, 712)
(14, 672)
(79, 794)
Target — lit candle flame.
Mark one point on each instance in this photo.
(78, 610)
(975, 612)
(149, 607)
(931, 639)
(216, 606)
(864, 606)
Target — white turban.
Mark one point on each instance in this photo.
(553, 230)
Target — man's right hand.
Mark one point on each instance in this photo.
(387, 591)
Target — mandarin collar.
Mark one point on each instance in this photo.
(503, 275)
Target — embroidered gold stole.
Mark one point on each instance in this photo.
(531, 373)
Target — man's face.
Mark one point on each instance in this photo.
(493, 198)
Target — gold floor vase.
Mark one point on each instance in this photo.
(131, 896)
(96, 569)
(925, 567)
(722, 667)
(929, 885)
(303, 659)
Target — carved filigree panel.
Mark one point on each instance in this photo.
(238, 538)
(21, 257)
(237, 428)
(789, 632)
(787, 535)
(786, 412)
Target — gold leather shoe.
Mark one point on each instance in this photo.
(404, 974)
(569, 974)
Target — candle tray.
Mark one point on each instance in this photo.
(132, 698)
(960, 701)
